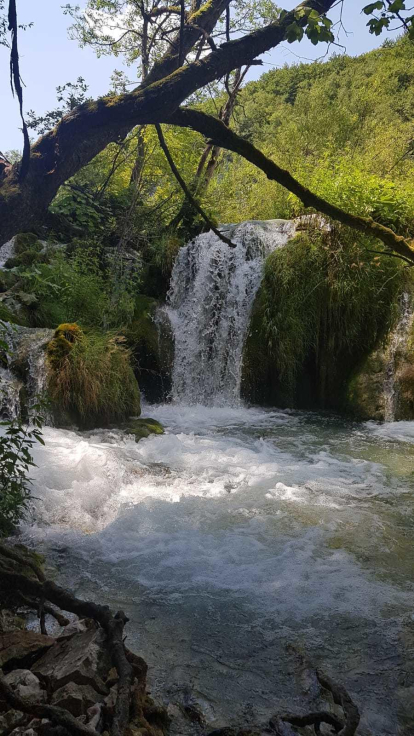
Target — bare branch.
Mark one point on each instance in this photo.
(186, 191)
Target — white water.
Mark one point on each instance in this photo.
(236, 533)
(213, 287)
(27, 347)
(398, 342)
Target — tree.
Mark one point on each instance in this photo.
(172, 79)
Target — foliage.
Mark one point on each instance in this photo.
(388, 12)
(83, 285)
(16, 442)
(360, 157)
(16, 460)
(92, 379)
(69, 95)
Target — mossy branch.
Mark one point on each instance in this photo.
(222, 136)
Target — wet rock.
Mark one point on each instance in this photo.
(9, 621)
(81, 659)
(77, 699)
(10, 719)
(143, 428)
(22, 648)
(76, 627)
(26, 685)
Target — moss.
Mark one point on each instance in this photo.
(141, 428)
(323, 305)
(26, 242)
(205, 8)
(365, 393)
(27, 258)
(61, 345)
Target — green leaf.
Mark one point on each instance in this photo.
(396, 6)
(373, 6)
(294, 32)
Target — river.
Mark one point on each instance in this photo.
(238, 539)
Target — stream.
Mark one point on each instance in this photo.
(238, 539)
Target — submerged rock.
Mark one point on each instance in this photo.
(141, 428)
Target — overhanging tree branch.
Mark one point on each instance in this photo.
(186, 190)
(220, 135)
(88, 129)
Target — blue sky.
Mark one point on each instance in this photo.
(49, 58)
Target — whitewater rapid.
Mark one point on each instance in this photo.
(237, 533)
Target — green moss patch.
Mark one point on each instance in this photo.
(143, 427)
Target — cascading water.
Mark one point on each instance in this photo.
(213, 287)
(399, 339)
(26, 357)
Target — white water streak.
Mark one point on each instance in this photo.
(399, 339)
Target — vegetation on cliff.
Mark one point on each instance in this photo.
(91, 378)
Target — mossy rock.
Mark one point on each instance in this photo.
(24, 242)
(27, 258)
(365, 394)
(152, 349)
(65, 336)
(141, 428)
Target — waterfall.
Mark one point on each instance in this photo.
(212, 291)
(398, 341)
(25, 366)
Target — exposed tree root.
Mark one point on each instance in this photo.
(112, 625)
(340, 696)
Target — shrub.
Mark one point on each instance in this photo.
(92, 379)
(15, 462)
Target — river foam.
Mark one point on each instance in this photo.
(236, 524)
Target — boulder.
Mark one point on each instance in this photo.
(26, 685)
(76, 627)
(77, 699)
(22, 648)
(10, 720)
(81, 659)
